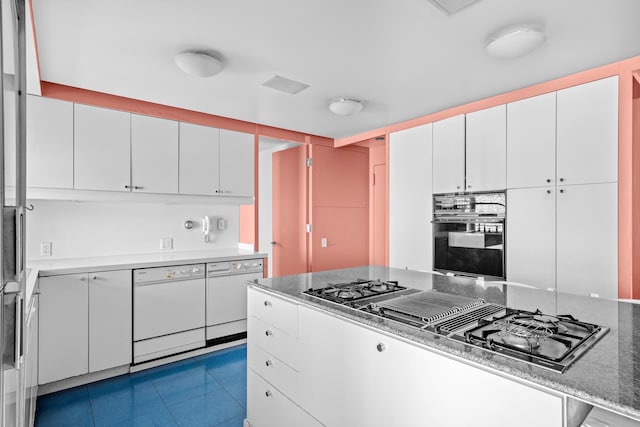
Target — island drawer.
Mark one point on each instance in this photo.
(274, 341)
(272, 369)
(267, 407)
(273, 311)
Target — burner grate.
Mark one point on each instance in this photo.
(466, 319)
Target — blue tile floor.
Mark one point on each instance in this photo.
(208, 390)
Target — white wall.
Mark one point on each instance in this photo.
(82, 229)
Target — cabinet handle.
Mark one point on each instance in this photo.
(562, 190)
(267, 303)
(217, 191)
(94, 278)
(561, 179)
(468, 186)
(381, 347)
(268, 393)
(268, 333)
(548, 191)
(548, 180)
(127, 186)
(268, 362)
(136, 187)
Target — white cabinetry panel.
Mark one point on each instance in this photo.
(64, 330)
(531, 237)
(486, 149)
(199, 160)
(49, 143)
(110, 319)
(236, 163)
(411, 199)
(587, 239)
(531, 142)
(448, 155)
(588, 133)
(154, 155)
(102, 149)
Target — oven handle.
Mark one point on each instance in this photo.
(470, 220)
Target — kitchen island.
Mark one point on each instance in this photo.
(321, 363)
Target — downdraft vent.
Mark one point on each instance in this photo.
(285, 85)
(452, 6)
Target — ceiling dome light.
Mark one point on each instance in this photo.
(514, 42)
(199, 64)
(345, 106)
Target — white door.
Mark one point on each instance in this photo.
(410, 199)
(109, 319)
(237, 155)
(154, 155)
(531, 142)
(531, 236)
(587, 240)
(448, 155)
(102, 149)
(168, 307)
(486, 149)
(227, 298)
(64, 332)
(588, 133)
(199, 160)
(49, 143)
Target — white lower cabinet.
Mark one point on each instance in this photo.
(75, 306)
(355, 376)
(30, 371)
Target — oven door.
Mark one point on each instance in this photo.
(473, 247)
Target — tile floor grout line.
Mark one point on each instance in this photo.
(165, 404)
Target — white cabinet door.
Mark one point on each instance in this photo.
(30, 370)
(64, 330)
(102, 149)
(587, 239)
(227, 298)
(486, 149)
(531, 236)
(236, 163)
(531, 142)
(49, 143)
(448, 155)
(410, 199)
(588, 133)
(199, 160)
(154, 155)
(110, 319)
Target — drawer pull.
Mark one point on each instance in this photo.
(268, 333)
(381, 347)
(267, 303)
(268, 362)
(267, 393)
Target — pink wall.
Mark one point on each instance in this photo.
(378, 200)
(247, 224)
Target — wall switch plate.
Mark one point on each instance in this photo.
(45, 248)
(323, 242)
(166, 243)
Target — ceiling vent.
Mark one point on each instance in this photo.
(285, 85)
(452, 6)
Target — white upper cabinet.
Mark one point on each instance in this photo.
(49, 143)
(587, 239)
(486, 149)
(410, 199)
(154, 155)
(588, 133)
(531, 142)
(199, 160)
(102, 149)
(236, 163)
(448, 155)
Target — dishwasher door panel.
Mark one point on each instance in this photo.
(227, 298)
(168, 307)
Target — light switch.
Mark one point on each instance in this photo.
(323, 242)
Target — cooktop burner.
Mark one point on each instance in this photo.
(353, 291)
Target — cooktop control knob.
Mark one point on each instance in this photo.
(195, 270)
(183, 271)
(238, 266)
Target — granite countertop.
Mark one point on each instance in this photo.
(607, 375)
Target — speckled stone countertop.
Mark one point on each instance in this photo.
(607, 375)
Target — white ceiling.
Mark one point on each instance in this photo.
(403, 58)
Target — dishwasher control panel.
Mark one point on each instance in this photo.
(167, 274)
(235, 267)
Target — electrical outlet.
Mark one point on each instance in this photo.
(45, 248)
(323, 242)
(166, 243)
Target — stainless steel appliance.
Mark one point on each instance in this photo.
(168, 310)
(468, 233)
(552, 342)
(226, 316)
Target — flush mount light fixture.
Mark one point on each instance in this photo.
(199, 64)
(515, 41)
(345, 106)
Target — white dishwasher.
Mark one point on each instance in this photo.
(168, 310)
(227, 297)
